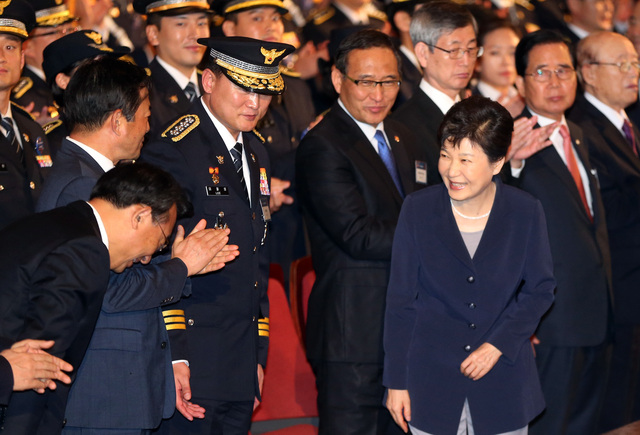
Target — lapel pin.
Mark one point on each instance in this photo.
(253, 158)
(173, 99)
(397, 138)
(220, 159)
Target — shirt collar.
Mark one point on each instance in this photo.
(103, 230)
(442, 100)
(180, 78)
(104, 162)
(616, 118)
(579, 32)
(486, 90)
(356, 17)
(227, 137)
(368, 130)
(37, 71)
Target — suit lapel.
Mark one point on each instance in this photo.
(363, 148)
(170, 91)
(447, 231)
(403, 163)
(254, 170)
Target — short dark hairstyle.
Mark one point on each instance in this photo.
(539, 37)
(484, 122)
(438, 18)
(155, 19)
(142, 183)
(493, 25)
(362, 40)
(101, 86)
(210, 63)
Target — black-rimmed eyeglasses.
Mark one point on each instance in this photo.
(457, 53)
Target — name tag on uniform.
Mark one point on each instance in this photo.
(266, 213)
(217, 190)
(421, 172)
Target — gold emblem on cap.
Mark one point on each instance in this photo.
(4, 4)
(270, 55)
(95, 37)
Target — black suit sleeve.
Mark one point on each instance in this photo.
(6, 381)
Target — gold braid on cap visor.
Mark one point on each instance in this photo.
(53, 16)
(165, 5)
(258, 77)
(13, 26)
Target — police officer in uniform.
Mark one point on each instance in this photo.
(289, 115)
(24, 151)
(225, 171)
(173, 28)
(53, 20)
(61, 58)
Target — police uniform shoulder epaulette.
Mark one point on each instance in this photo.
(323, 15)
(290, 73)
(258, 135)
(18, 108)
(182, 127)
(50, 126)
(23, 85)
(378, 15)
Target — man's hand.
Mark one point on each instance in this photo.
(515, 105)
(526, 140)
(199, 251)
(181, 375)
(399, 405)
(256, 402)
(278, 196)
(480, 362)
(33, 368)
(534, 342)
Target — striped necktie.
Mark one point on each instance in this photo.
(236, 154)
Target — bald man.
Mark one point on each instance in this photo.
(609, 72)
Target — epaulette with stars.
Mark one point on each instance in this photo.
(23, 85)
(50, 126)
(182, 127)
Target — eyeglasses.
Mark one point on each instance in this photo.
(623, 66)
(166, 239)
(457, 53)
(60, 32)
(371, 84)
(544, 75)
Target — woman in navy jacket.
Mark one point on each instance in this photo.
(471, 276)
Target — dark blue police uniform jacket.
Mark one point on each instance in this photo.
(442, 305)
(226, 307)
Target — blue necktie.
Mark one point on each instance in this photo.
(387, 159)
(236, 153)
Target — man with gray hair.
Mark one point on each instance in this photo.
(608, 71)
(444, 35)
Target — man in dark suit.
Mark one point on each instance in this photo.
(173, 28)
(55, 268)
(353, 171)
(571, 341)
(53, 20)
(225, 171)
(583, 17)
(444, 37)
(24, 153)
(135, 385)
(609, 73)
(25, 365)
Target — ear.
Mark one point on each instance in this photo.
(422, 53)
(497, 166)
(229, 28)
(152, 34)
(62, 80)
(209, 81)
(140, 214)
(520, 86)
(116, 120)
(336, 78)
(402, 20)
(588, 73)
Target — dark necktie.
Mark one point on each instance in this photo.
(572, 164)
(236, 154)
(10, 133)
(627, 128)
(190, 91)
(388, 160)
